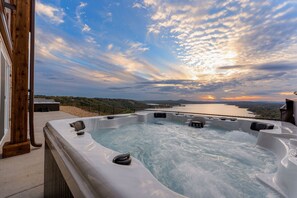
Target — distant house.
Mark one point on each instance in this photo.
(5, 69)
(45, 105)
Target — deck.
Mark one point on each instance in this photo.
(22, 176)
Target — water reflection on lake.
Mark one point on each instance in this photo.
(219, 109)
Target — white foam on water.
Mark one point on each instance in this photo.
(207, 162)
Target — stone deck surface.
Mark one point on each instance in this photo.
(22, 176)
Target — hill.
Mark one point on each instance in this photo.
(262, 110)
(105, 106)
(102, 106)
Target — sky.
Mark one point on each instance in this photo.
(216, 50)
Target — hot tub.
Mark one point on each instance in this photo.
(86, 169)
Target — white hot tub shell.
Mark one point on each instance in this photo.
(88, 169)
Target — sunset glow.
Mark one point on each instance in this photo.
(243, 98)
(165, 49)
(286, 93)
(207, 97)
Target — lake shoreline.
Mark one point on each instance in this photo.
(212, 109)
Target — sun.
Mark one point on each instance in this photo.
(230, 55)
(208, 97)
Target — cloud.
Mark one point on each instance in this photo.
(189, 86)
(108, 17)
(207, 97)
(119, 88)
(231, 50)
(265, 76)
(283, 13)
(138, 5)
(91, 68)
(110, 46)
(54, 14)
(288, 93)
(150, 2)
(94, 75)
(134, 65)
(112, 66)
(243, 98)
(47, 45)
(78, 13)
(82, 4)
(62, 55)
(278, 66)
(86, 28)
(136, 47)
(209, 35)
(90, 39)
(262, 85)
(232, 67)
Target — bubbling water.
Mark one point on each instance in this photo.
(207, 162)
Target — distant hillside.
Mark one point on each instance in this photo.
(102, 106)
(263, 110)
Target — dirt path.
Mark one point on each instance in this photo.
(77, 111)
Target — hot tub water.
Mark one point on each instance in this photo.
(207, 162)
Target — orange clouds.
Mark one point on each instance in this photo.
(208, 97)
(243, 98)
(286, 93)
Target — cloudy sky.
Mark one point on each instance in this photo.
(167, 49)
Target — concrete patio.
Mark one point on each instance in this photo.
(22, 176)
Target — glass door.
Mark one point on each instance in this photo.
(2, 96)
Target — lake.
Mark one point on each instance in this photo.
(219, 109)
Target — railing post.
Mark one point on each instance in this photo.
(19, 143)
